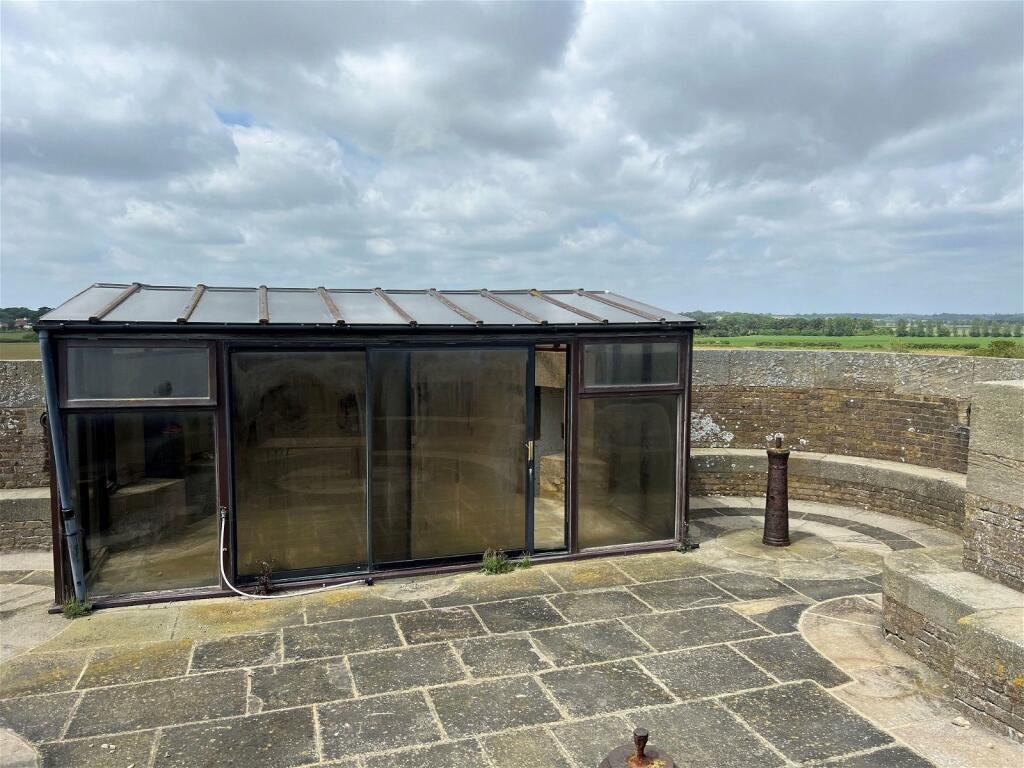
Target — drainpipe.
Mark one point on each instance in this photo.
(72, 535)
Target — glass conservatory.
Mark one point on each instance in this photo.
(325, 435)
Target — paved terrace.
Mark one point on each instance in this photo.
(733, 655)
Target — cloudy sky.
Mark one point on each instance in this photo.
(763, 157)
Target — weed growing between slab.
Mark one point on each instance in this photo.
(265, 580)
(496, 561)
(75, 609)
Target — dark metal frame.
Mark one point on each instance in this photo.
(222, 340)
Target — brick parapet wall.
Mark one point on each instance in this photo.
(23, 451)
(913, 633)
(897, 407)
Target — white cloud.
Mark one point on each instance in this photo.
(758, 156)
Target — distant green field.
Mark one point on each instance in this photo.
(945, 345)
(18, 345)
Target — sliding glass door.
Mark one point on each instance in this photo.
(299, 424)
(449, 452)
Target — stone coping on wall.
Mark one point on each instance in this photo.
(939, 375)
(967, 627)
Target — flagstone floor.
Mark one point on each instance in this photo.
(731, 655)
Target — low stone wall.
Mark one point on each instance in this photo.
(994, 535)
(896, 407)
(926, 495)
(25, 518)
(966, 627)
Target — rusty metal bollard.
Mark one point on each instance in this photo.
(776, 507)
(638, 754)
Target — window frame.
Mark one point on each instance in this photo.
(608, 390)
(136, 402)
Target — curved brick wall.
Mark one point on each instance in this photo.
(896, 407)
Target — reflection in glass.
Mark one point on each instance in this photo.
(449, 451)
(549, 417)
(105, 372)
(145, 494)
(610, 365)
(299, 453)
(627, 469)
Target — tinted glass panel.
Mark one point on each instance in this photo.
(449, 453)
(616, 365)
(426, 309)
(297, 307)
(300, 472)
(549, 418)
(365, 309)
(98, 373)
(83, 305)
(489, 311)
(545, 310)
(627, 460)
(144, 491)
(152, 305)
(219, 305)
(594, 307)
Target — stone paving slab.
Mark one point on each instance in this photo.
(686, 629)
(498, 656)
(299, 683)
(100, 752)
(805, 723)
(700, 672)
(518, 615)
(604, 688)
(369, 725)
(273, 740)
(583, 651)
(403, 668)
(588, 643)
(340, 637)
(159, 703)
(592, 606)
(469, 709)
(790, 657)
(439, 624)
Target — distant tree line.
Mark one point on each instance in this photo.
(9, 314)
(751, 324)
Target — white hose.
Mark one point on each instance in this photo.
(223, 549)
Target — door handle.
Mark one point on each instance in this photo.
(529, 450)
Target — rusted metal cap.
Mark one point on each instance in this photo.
(638, 754)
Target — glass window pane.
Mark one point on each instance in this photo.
(299, 455)
(627, 466)
(145, 494)
(602, 310)
(449, 453)
(106, 372)
(549, 415)
(617, 365)
(85, 304)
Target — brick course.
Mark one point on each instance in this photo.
(927, 430)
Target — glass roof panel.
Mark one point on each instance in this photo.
(427, 310)
(365, 308)
(484, 309)
(85, 304)
(594, 307)
(542, 309)
(645, 307)
(228, 305)
(297, 307)
(151, 305)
